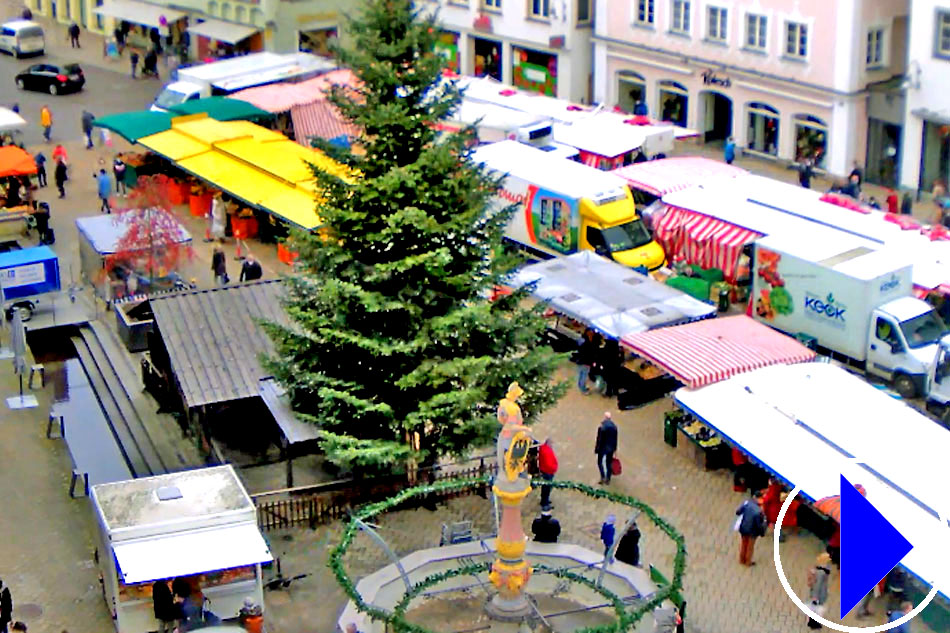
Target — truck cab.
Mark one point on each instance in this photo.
(606, 229)
(176, 93)
(904, 338)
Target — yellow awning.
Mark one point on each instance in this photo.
(173, 145)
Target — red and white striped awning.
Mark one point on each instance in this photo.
(702, 240)
(705, 352)
(660, 177)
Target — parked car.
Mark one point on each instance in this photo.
(51, 78)
(22, 37)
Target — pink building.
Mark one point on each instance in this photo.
(786, 79)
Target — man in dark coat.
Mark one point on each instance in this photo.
(74, 35)
(87, 119)
(6, 607)
(251, 269)
(628, 549)
(605, 447)
(546, 528)
(219, 266)
(59, 175)
(752, 524)
(163, 605)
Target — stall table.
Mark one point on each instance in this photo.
(197, 525)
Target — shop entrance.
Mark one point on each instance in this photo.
(935, 155)
(673, 103)
(884, 143)
(317, 41)
(631, 89)
(716, 116)
(487, 58)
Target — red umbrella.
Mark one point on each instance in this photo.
(831, 506)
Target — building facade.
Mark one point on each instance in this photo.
(281, 26)
(538, 45)
(786, 80)
(925, 156)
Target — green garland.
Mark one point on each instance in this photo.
(625, 619)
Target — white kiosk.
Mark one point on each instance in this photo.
(198, 525)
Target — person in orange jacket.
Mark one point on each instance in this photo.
(547, 466)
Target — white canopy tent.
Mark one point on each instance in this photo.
(10, 120)
(228, 32)
(140, 13)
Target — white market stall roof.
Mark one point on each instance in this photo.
(811, 423)
(228, 32)
(666, 175)
(10, 120)
(106, 232)
(139, 13)
(701, 353)
(608, 296)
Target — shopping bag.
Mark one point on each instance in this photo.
(616, 467)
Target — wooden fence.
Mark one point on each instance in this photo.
(325, 503)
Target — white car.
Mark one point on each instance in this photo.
(22, 37)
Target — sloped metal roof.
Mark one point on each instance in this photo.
(214, 339)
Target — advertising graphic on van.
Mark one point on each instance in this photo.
(826, 309)
(775, 300)
(891, 284)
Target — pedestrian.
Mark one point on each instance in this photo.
(351, 628)
(218, 217)
(893, 203)
(547, 468)
(605, 446)
(118, 171)
(771, 502)
(896, 585)
(6, 607)
(40, 160)
(608, 533)
(26, 14)
(853, 188)
(546, 528)
(59, 153)
(134, 58)
(628, 549)
(219, 267)
(806, 171)
(251, 616)
(59, 175)
(894, 616)
(74, 35)
(907, 204)
(729, 151)
(46, 122)
(750, 525)
(41, 218)
(87, 120)
(790, 522)
(104, 186)
(163, 605)
(818, 587)
(188, 609)
(611, 364)
(584, 357)
(251, 269)
(857, 172)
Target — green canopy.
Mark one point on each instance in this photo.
(134, 125)
(221, 108)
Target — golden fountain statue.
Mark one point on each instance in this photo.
(510, 571)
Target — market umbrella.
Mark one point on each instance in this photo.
(16, 162)
(10, 120)
(134, 125)
(831, 506)
(221, 109)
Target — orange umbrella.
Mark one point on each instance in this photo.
(15, 162)
(831, 506)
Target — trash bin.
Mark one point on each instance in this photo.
(669, 429)
(723, 299)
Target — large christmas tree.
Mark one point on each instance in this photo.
(396, 351)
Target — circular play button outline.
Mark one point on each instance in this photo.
(880, 628)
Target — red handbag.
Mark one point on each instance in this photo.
(616, 467)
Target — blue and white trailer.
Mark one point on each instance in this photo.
(27, 277)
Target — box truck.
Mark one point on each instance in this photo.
(853, 298)
(564, 206)
(27, 277)
(227, 76)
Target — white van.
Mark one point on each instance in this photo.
(22, 37)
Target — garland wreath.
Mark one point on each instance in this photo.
(396, 619)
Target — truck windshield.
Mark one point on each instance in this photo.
(923, 330)
(168, 98)
(623, 237)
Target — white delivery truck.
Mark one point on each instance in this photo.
(854, 298)
(564, 206)
(231, 75)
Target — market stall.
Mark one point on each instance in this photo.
(198, 525)
(131, 252)
(16, 167)
(806, 423)
(221, 109)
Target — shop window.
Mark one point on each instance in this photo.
(674, 99)
(644, 13)
(69, 9)
(82, 14)
(39, 5)
(447, 45)
(316, 41)
(212, 8)
(225, 11)
(540, 9)
(240, 14)
(487, 58)
(534, 70)
(492, 5)
(763, 128)
(679, 21)
(756, 31)
(796, 40)
(717, 24)
(583, 11)
(942, 40)
(257, 17)
(100, 21)
(874, 51)
(631, 90)
(811, 139)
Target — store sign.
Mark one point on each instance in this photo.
(483, 23)
(22, 276)
(825, 309)
(710, 78)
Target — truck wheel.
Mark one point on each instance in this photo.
(25, 309)
(904, 385)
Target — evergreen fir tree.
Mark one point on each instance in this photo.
(395, 351)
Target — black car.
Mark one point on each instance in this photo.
(51, 78)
